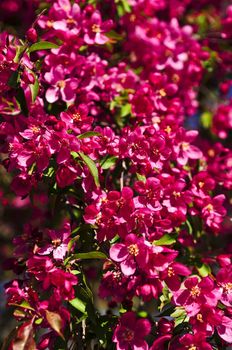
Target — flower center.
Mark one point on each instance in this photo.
(132, 18)
(128, 335)
(162, 92)
(61, 84)
(211, 152)
(150, 194)
(170, 272)
(99, 219)
(35, 129)
(117, 275)
(70, 21)
(192, 347)
(209, 207)
(195, 292)
(200, 318)
(176, 194)
(175, 78)
(56, 242)
(49, 24)
(185, 146)
(133, 249)
(11, 147)
(201, 184)
(228, 287)
(120, 202)
(155, 151)
(76, 117)
(168, 129)
(96, 28)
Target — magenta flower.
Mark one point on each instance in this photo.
(224, 280)
(172, 273)
(210, 319)
(59, 243)
(197, 293)
(161, 342)
(130, 332)
(202, 183)
(60, 86)
(77, 119)
(150, 193)
(63, 283)
(131, 255)
(213, 211)
(183, 149)
(194, 341)
(94, 29)
(66, 175)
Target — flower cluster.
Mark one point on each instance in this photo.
(98, 105)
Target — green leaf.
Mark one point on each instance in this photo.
(78, 304)
(39, 320)
(88, 134)
(72, 242)
(179, 311)
(165, 240)
(122, 7)
(108, 161)
(114, 35)
(55, 321)
(19, 51)
(125, 110)
(23, 305)
(74, 154)
(34, 89)
(141, 177)
(42, 45)
(126, 6)
(92, 167)
(189, 227)
(14, 79)
(179, 316)
(87, 256)
(206, 119)
(21, 99)
(204, 270)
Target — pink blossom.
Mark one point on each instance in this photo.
(131, 255)
(196, 293)
(95, 29)
(130, 332)
(60, 85)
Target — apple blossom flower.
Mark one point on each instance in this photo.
(130, 332)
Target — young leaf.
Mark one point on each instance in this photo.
(204, 270)
(125, 110)
(34, 89)
(88, 134)
(165, 240)
(87, 256)
(92, 167)
(23, 305)
(206, 119)
(78, 304)
(42, 45)
(108, 162)
(141, 177)
(55, 321)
